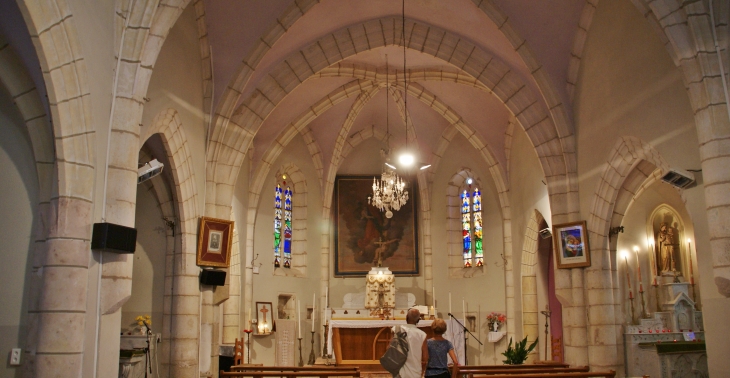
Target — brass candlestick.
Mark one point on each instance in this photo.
(311, 352)
(644, 315)
(324, 348)
(301, 361)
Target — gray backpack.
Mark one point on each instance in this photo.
(397, 353)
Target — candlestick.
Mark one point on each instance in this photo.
(314, 309)
(301, 361)
(299, 320)
(324, 347)
(450, 312)
(311, 352)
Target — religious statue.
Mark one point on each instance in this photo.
(668, 247)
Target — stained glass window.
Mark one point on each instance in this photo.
(287, 227)
(471, 228)
(277, 226)
(477, 209)
(466, 227)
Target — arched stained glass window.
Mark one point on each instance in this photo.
(282, 243)
(277, 226)
(471, 228)
(287, 227)
(466, 227)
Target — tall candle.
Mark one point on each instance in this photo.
(299, 319)
(249, 316)
(326, 297)
(638, 269)
(314, 309)
(689, 255)
(433, 296)
(463, 307)
(628, 279)
(450, 312)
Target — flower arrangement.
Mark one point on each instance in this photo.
(495, 320)
(144, 321)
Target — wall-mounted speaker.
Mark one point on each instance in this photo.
(112, 237)
(213, 277)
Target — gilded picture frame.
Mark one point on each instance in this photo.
(572, 248)
(214, 242)
(363, 234)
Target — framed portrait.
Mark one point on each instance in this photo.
(571, 245)
(214, 242)
(265, 323)
(364, 235)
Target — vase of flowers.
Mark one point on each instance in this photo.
(144, 322)
(495, 320)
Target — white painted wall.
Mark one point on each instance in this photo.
(18, 209)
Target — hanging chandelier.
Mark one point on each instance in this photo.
(389, 193)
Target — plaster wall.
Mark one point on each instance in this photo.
(18, 204)
(628, 86)
(527, 194)
(482, 293)
(266, 286)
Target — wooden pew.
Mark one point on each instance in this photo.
(293, 373)
(519, 374)
(456, 371)
(532, 370)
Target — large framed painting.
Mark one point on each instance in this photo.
(363, 235)
(571, 245)
(214, 242)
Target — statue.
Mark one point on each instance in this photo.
(668, 245)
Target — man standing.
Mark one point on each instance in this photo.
(418, 350)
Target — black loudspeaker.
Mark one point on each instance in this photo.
(213, 277)
(114, 238)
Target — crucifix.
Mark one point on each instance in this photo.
(547, 313)
(382, 246)
(264, 310)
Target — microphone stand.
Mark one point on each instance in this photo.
(466, 330)
(147, 357)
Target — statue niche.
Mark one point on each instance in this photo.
(668, 232)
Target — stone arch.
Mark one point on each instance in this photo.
(378, 33)
(620, 175)
(54, 31)
(690, 30)
(181, 282)
(528, 274)
(21, 88)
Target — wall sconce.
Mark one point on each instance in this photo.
(615, 231)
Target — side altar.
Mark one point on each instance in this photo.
(670, 343)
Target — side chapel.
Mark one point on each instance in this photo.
(185, 185)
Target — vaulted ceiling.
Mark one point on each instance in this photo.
(236, 29)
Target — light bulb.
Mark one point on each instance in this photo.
(406, 159)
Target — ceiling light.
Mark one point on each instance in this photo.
(406, 159)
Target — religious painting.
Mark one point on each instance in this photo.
(264, 318)
(214, 242)
(365, 237)
(571, 245)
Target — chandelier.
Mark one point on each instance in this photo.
(389, 193)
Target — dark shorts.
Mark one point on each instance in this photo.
(442, 375)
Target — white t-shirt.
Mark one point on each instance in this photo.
(416, 337)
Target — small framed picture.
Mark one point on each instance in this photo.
(571, 245)
(214, 242)
(264, 318)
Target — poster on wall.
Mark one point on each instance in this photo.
(571, 245)
(363, 235)
(214, 242)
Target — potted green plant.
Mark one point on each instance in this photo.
(518, 354)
